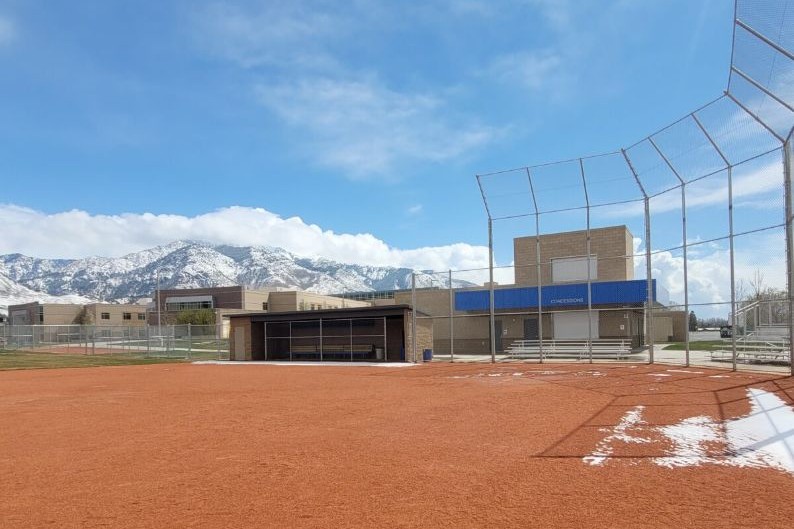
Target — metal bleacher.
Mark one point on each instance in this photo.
(576, 349)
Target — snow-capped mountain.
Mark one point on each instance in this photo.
(188, 264)
(12, 293)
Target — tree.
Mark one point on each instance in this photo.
(196, 317)
(693, 322)
(761, 304)
(712, 323)
(83, 317)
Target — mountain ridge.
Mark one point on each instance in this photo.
(188, 264)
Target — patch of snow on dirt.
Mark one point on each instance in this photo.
(764, 438)
(621, 433)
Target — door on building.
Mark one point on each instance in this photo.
(531, 329)
(575, 325)
(498, 331)
(239, 343)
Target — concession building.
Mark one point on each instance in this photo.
(561, 292)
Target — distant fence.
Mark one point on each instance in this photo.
(175, 341)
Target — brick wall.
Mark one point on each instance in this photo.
(613, 247)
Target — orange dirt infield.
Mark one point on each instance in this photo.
(250, 446)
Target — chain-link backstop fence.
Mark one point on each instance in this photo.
(677, 248)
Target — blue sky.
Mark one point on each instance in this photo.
(373, 117)
(352, 130)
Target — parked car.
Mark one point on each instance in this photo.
(726, 331)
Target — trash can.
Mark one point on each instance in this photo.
(427, 355)
(379, 353)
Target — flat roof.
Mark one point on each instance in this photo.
(347, 312)
(571, 232)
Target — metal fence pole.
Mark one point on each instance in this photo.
(539, 269)
(788, 168)
(451, 320)
(413, 316)
(538, 266)
(219, 339)
(189, 340)
(684, 244)
(733, 266)
(491, 308)
(648, 268)
(587, 264)
(730, 233)
(686, 272)
(649, 272)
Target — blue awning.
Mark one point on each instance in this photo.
(569, 295)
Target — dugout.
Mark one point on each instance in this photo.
(362, 334)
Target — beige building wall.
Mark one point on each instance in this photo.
(612, 247)
(662, 328)
(114, 314)
(60, 314)
(670, 326)
(255, 299)
(311, 301)
(69, 314)
(231, 300)
(292, 300)
(36, 313)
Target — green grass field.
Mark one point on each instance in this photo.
(706, 345)
(24, 360)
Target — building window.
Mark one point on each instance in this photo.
(41, 314)
(188, 305)
(126, 316)
(264, 305)
(141, 316)
(105, 316)
(574, 269)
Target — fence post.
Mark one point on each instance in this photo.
(413, 316)
(491, 308)
(451, 320)
(218, 337)
(788, 169)
(189, 341)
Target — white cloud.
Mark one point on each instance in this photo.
(414, 210)
(341, 117)
(559, 13)
(364, 128)
(282, 33)
(535, 70)
(75, 233)
(705, 193)
(709, 273)
(8, 30)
